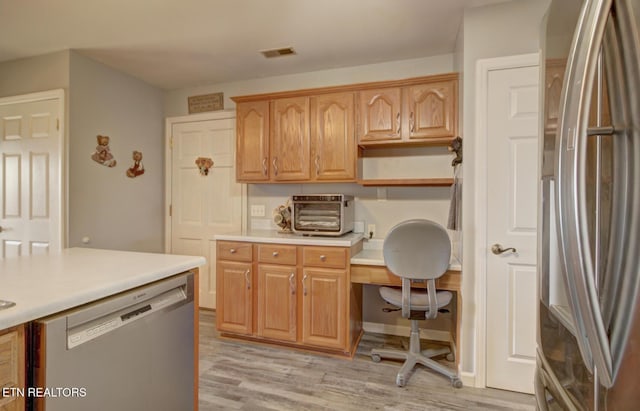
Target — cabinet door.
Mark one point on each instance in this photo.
(252, 141)
(379, 115)
(333, 151)
(12, 367)
(277, 302)
(234, 308)
(289, 141)
(431, 110)
(324, 307)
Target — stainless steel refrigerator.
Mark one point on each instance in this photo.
(589, 258)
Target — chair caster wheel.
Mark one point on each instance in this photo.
(456, 382)
(450, 357)
(400, 382)
(375, 358)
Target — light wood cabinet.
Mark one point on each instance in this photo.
(252, 141)
(290, 144)
(12, 367)
(234, 285)
(324, 305)
(431, 110)
(417, 114)
(277, 292)
(302, 297)
(317, 135)
(333, 147)
(380, 115)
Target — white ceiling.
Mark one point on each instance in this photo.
(179, 43)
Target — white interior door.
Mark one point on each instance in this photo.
(512, 173)
(31, 175)
(204, 205)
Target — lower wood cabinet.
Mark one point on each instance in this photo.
(12, 368)
(292, 295)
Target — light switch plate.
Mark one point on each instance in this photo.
(257, 210)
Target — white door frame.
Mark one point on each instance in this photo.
(57, 94)
(169, 122)
(483, 67)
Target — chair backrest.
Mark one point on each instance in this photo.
(417, 249)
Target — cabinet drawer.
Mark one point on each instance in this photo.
(330, 257)
(234, 251)
(277, 254)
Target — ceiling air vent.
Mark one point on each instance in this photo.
(286, 51)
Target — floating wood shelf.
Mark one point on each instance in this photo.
(407, 182)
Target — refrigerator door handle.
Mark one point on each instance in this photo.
(573, 232)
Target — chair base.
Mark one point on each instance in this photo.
(416, 356)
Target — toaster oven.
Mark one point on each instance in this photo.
(322, 214)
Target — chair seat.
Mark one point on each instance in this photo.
(419, 299)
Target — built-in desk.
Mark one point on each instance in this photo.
(367, 267)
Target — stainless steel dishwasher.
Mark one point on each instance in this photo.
(132, 351)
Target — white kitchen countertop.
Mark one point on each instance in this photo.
(47, 284)
(276, 237)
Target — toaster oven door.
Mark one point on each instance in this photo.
(317, 218)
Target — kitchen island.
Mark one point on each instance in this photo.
(48, 284)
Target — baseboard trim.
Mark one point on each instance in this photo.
(404, 331)
(469, 379)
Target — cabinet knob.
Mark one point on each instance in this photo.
(275, 253)
(411, 122)
(275, 165)
(232, 250)
(264, 166)
(323, 258)
(247, 279)
(398, 121)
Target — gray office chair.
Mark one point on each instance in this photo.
(417, 250)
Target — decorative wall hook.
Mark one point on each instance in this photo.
(456, 147)
(204, 164)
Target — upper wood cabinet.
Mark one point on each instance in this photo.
(289, 140)
(307, 136)
(380, 111)
(333, 147)
(252, 141)
(423, 113)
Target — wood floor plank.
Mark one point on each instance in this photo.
(238, 375)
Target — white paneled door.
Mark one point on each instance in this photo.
(204, 203)
(512, 181)
(30, 175)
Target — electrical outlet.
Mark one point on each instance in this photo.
(371, 230)
(257, 210)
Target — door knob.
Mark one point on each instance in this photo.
(497, 249)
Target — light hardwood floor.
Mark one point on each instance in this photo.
(237, 375)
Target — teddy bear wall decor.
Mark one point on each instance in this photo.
(103, 155)
(137, 168)
(204, 164)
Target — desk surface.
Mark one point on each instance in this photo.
(367, 274)
(374, 257)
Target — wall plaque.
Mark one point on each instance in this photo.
(206, 102)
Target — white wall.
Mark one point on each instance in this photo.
(176, 100)
(492, 31)
(34, 74)
(113, 210)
